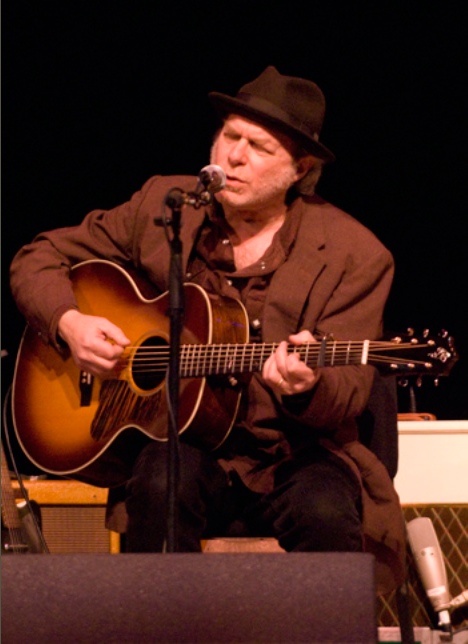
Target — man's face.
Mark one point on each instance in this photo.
(258, 165)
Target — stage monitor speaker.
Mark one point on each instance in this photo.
(312, 598)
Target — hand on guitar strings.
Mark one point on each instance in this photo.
(284, 370)
(95, 343)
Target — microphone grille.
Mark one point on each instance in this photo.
(421, 534)
(212, 177)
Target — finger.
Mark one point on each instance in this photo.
(301, 337)
(99, 365)
(114, 334)
(281, 358)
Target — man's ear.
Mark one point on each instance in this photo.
(304, 164)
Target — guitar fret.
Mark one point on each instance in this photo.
(262, 357)
(305, 357)
(193, 359)
(259, 353)
(198, 360)
(226, 358)
(191, 351)
(228, 362)
(183, 353)
(187, 360)
(234, 359)
(185, 367)
(321, 356)
(242, 358)
(210, 363)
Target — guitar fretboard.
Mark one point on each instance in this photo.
(201, 360)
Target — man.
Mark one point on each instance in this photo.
(292, 465)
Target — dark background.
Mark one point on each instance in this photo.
(98, 96)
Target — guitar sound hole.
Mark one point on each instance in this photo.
(149, 364)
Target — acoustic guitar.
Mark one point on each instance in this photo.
(65, 419)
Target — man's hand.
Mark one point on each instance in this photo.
(95, 343)
(285, 372)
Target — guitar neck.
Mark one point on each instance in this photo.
(199, 360)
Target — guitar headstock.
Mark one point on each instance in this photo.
(421, 355)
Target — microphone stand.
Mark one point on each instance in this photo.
(176, 311)
(175, 200)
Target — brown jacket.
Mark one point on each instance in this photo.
(335, 280)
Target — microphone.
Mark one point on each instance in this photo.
(211, 179)
(431, 566)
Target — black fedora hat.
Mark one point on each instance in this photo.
(291, 105)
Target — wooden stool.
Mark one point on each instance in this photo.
(242, 544)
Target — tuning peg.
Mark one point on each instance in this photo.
(419, 381)
(425, 333)
(444, 333)
(410, 331)
(436, 382)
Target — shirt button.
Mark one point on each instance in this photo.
(229, 282)
(225, 242)
(262, 265)
(256, 323)
(188, 275)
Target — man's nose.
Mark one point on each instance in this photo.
(237, 153)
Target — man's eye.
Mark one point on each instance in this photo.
(259, 146)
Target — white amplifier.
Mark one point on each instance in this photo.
(432, 462)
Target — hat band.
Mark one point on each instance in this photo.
(277, 113)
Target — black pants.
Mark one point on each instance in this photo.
(315, 505)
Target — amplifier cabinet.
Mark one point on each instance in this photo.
(73, 516)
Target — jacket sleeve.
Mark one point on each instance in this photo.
(39, 273)
(354, 311)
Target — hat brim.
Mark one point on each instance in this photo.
(225, 105)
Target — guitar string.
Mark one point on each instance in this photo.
(157, 356)
(270, 347)
(252, 348)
